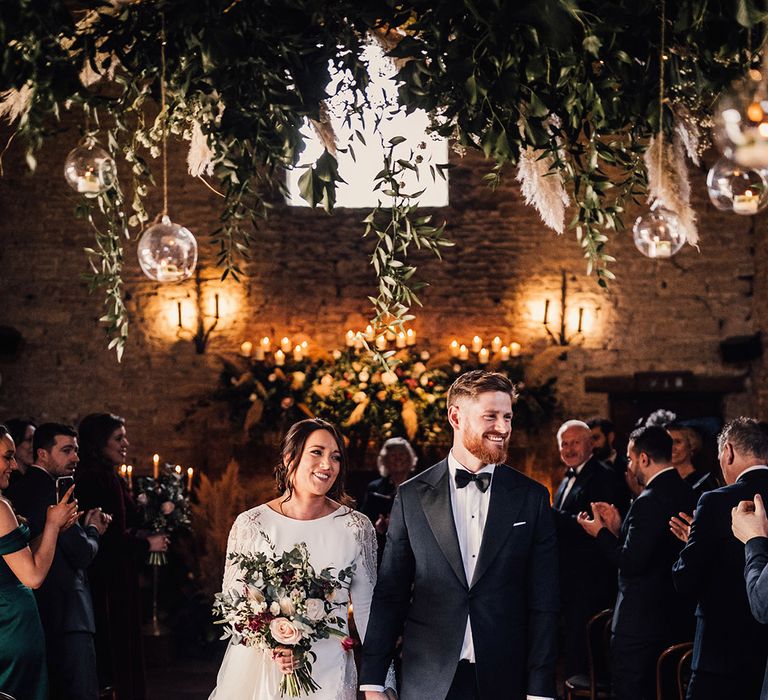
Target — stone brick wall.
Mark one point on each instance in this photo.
(309, 278)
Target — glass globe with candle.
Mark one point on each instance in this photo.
(732, 187)
(741, 121)
(89, 169)
(167, 252)
(658, 233)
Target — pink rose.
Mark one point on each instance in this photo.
(348, 643)
(315, 609)
(284, 631)
(167, 508)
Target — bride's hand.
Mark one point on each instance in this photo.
(283, 657)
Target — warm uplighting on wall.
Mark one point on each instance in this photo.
(564, 318)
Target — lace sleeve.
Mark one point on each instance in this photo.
(241, 539)
(364, 579)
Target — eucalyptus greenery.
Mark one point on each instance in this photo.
(575, 80)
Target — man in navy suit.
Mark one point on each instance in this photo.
(64, 599)
(730, 647)
(649, 615)
(469, 573)
(587, 578)
(750, 526)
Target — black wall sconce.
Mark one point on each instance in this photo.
(202, 333)
(560, 336)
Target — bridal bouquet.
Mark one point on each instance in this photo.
(284, 602)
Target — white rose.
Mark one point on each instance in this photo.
(287, 607)
(359, 397)
(418, 369)
(298, 380)
(253, 593)
(315, 609)
(363, 376)
(274, 608)
(284, 631)
(336, 354)
(388, 378)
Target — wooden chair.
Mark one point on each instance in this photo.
(668, 670)
(596, 683)
(684, 672)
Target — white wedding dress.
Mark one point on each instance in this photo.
(340, 539)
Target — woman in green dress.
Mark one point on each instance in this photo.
(24, 565)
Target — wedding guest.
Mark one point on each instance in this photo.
(64, 598)
(587, 579)
(21, 431)
(687, 444)
(603, 445)
(750, 526)
(648, 615)
(466, 576)
(730, 647)
(114, 574)
(24, 565)
(396, 462)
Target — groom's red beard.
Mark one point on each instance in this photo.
(486, 452)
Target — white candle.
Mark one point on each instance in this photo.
(279, 358)
(369, 335)
(504, 353)
(463, 352)
(746, 203)
(266, 344)
(177, 469)
(514, 349)
(390, 334)
(400, 341)
(190, 473)
(259, 353)
(358, 342)
(496, 344)
(454, 348)
(130, 477)
(246, 348)
(381, 343)
(155, 465)
(350, 338)
(285, 344)
(483, 356)
(88, 183)
(410, 337)
(298, 354)
(304, 345)
(477, 343)
(123, 470)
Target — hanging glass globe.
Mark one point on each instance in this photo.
(89, 169)
(167, 252)
(741, 122)
(658, 233)
(732, 187)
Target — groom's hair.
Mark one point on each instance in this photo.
(479, 381)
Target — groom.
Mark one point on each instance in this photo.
(469, 573)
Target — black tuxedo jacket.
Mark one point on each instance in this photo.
(756, 574)
(729, 641)
(64, 599)
(580, 556)
(648, 606)
(422, 591)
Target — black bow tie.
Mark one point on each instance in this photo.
(570, 472)
(463, 477)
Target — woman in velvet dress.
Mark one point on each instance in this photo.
(114, 573)
(24, 565)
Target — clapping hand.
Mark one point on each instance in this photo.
(748, 520)
(610, 516)
(591, 525)
(98, 519)
(681, 526)
(64, 514)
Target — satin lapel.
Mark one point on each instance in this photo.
(436, 502)
(559, 493)
(578, 486)
(503, 511)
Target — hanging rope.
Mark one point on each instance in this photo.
(164, 115)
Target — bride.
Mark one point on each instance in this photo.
(312, 508)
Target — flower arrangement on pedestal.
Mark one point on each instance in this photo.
(353, 391)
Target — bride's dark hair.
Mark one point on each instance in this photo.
(292, 448)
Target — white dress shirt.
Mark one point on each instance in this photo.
(571, 482)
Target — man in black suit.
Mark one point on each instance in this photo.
(587, 578)
(730, 647)
(469, 567)
(750, 526)
(649, 614)
(64, 599)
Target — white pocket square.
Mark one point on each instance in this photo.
(522, 522)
